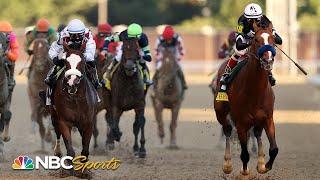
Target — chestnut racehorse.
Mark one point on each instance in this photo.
(251, 101)
(75, 101)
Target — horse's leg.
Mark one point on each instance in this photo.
(173, 126)
(57, 147)
(1, 141)
(116, 133)
(95, 131)
(86, 134)
(273, 150)
(33, 114)
(139, 125)
(252, 137)
(261, 166)
(42, 129)
(243, 138)
(110, 139)
(48, 136)
(227, 130)
(66, 134)
(158, 108)
(6, 117)
(136, 129)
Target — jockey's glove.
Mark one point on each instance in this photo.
(30, 52)
(57, 62)
(251, 34)
(147, 58)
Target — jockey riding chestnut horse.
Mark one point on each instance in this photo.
(250, 100)
(245, 35)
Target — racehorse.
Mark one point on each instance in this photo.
(5, 97)
(102, 65)
(168, 93)
(38, 69)
(128, 93)
(75, 101)
(234, 137)
(251, 101)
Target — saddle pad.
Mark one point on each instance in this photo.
(108, 82)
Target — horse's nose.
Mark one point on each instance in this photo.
(73, 80)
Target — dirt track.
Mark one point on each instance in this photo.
(200, 156)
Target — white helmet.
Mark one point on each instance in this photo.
(76, 26)
(252, 10)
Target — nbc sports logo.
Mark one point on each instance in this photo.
(23, 162)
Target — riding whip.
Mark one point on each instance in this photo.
(24, 66)
(298, 66)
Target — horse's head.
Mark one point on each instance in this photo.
(130, 55)
(264, 43)
(74, 72)
(40, 48)
(168, 54)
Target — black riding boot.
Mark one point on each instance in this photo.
(272, 80)
(146, 74)
(181, 76)
(108, 73)
(93, 75)
(224, 79)
(50, 80)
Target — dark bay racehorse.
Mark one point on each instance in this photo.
(38, 69)
(251, 101)
(5, 97)
(75, 101)
(168, 93)
(128, 93)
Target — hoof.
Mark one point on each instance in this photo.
(244, 172)
(227, 167)
(254, 149)
(261, 169)
(136, 154)
(173, 147)
(6, 139)
(59, 154)
(142, 154)
(117, 135)
(86, 174)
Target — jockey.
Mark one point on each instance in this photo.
(12, 51)
(227, 48)
(104, 31)
(42, 29)
(134, 31)
(74, 35)
(170, 39)
(252, 13)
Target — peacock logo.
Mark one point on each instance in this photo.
(23, 163)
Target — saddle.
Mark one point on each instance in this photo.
(223, 96)
(242, 62)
